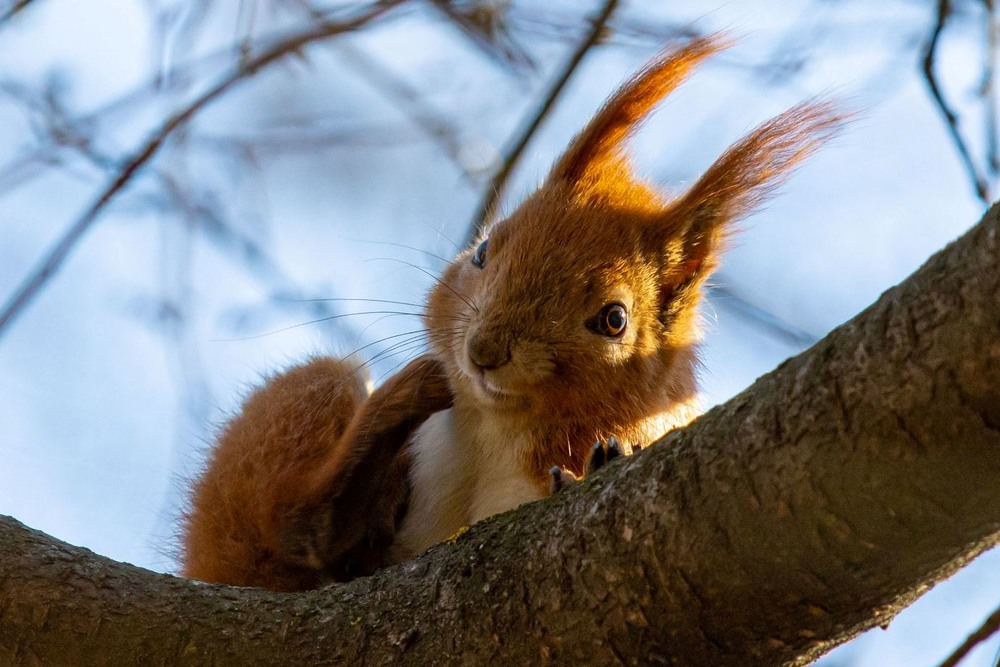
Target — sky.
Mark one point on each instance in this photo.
(116, 377)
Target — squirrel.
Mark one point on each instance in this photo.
(572, 321)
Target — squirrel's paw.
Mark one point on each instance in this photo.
(602, 454)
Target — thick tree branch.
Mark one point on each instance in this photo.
(814, 505)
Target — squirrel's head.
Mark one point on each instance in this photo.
(582, 304)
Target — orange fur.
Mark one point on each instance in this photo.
(265, 512)
(310, 482)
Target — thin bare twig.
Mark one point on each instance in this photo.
(435, 125)
(549, 22)
(15, 7)
(498, 184)
(176, 29)
(44, 271)
(201, 213)
(989, 90)
(307, 139)
(979, 182)
(763, 319)
(989, 627)
(484, 24)
(245, 18)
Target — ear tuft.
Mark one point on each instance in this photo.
(740, 181)
(750, 170)
(744, 177)
(600, 145)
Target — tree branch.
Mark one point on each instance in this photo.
(814, 505)
(44, 271)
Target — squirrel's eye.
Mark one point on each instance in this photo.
(479, 257)
(612, 320)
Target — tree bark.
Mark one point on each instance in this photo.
(816, 504)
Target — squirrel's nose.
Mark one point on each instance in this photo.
(488, 352)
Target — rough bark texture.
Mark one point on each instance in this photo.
(817, 503)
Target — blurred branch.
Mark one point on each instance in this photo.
(979, 181)
(485, 24)
(172, 80)
(53, 124)
(989, 628)
(551, 22)
(989, 90)
(175, 28)
(293, 44)
(767, 322)
(13, 9)
(306, 139)
(245, 16)
(436, 126)
(498, 184)
(203, 212)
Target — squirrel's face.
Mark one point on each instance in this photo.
(569, 305)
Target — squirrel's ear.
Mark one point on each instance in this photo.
(597, 152)
(696, 224)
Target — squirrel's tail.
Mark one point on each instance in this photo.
(257, 472)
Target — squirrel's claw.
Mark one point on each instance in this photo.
(603, 453)
(614, 450)
(559, 478)
(598, 457)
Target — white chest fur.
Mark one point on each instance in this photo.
(462, 471)
(466, 467)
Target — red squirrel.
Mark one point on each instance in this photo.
(573, 320)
